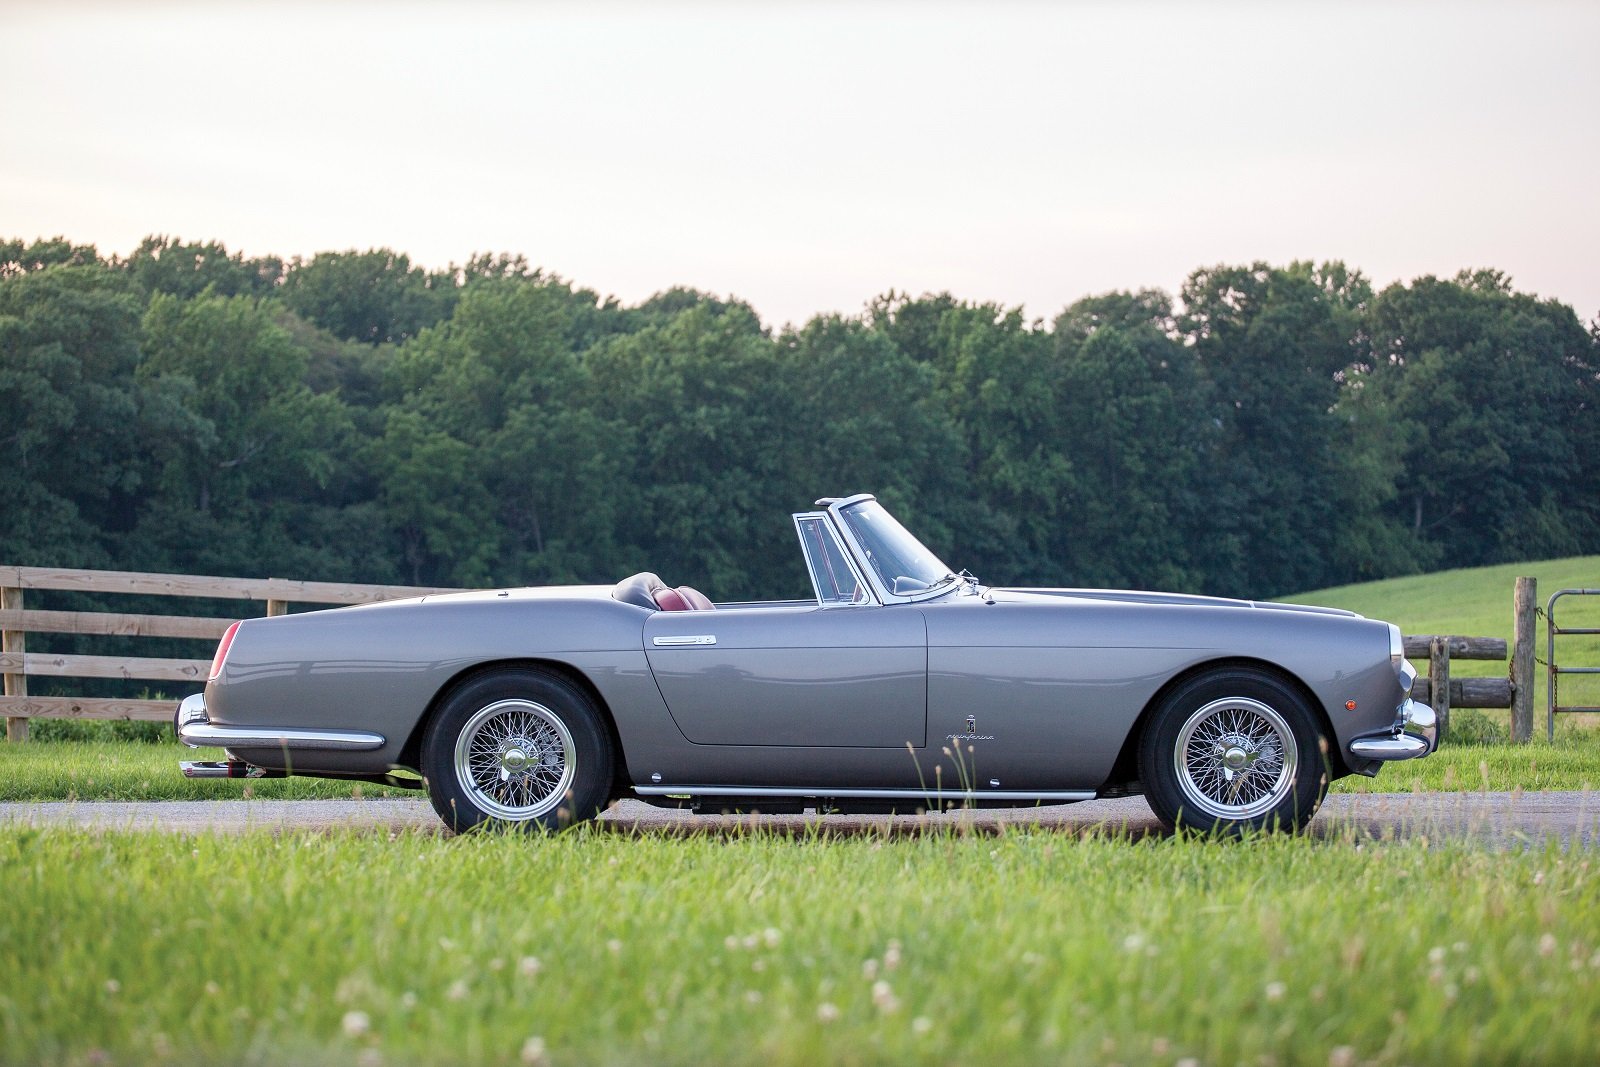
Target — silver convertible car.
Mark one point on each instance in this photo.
(902, 686)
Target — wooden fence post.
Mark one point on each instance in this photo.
(1439, 681)
(16, 685)
(277, 607)
(1525, 613)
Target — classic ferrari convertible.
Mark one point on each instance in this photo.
(902, 686)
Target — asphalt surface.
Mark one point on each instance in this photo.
(1496, 820)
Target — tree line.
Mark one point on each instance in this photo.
(356, 417)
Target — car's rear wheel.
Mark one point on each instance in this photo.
(1234, 749)
(520, 747)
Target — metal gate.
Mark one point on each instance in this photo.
(1553, 705)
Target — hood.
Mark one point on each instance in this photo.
(1138, 596)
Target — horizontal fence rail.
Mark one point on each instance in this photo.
(17, 664)
(1419, 646)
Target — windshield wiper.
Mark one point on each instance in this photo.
(965, 576)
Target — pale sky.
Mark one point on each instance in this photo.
(808, 156)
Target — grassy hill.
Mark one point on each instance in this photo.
(1477, 602)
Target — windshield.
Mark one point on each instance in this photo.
(891, 551)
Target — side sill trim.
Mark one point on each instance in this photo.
(1059, 796)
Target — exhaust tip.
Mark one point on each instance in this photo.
(232, 768)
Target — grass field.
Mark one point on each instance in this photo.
(592, 948)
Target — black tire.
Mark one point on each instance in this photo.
(1234, 749)
(520, 747)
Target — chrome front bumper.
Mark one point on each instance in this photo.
(1415, 733)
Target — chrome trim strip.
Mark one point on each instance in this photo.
(828, 792)
(196, 733)
(687, 639)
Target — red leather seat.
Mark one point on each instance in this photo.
(698, 601)
(682, 598)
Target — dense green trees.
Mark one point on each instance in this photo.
(353, 416)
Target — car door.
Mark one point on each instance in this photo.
(794, 675)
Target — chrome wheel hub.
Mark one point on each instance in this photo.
(515, 759)
(1236, 758)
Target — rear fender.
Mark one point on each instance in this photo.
(411, 753)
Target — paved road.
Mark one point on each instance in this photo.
(1500, 820)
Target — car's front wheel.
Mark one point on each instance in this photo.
(520, 747)
(1234, 749)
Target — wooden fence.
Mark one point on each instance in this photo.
(17, 664)
(1515, 691)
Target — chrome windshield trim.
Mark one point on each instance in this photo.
(829, 792)
(196, 733)
(853, 547)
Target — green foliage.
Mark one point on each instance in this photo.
(169, 265)
(375, 296)
(69, 335)
(356, 417)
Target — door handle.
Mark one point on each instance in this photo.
(686, 639)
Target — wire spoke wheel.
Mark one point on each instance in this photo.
(1235, 758)
(515, 759)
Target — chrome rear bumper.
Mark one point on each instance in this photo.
(1416, 733)
(195, 729)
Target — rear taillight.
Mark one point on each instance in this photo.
(222, 652)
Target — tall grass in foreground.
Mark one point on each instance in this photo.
(593, 948)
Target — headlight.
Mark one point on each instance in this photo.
(1397, 658)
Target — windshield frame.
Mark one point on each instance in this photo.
(943, 583)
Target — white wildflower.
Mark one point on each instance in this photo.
(883, 996)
